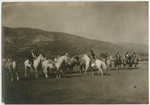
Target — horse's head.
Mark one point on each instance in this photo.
(66, 54)
(67, 58)
(55, 59)
(50, 61)
(41, 57)
(73, 60)
(86, 56)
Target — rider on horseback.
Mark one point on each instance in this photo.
(134, 55)
(118, 56)
(32, 56)
(77, 58)
(92, 55)
(106, 56)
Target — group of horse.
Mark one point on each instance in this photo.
(127, 63)
(63, 63)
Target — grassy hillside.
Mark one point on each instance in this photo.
(17, 42)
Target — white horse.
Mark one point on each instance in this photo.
(11, 66)
(47, 64)
(98, 63)
(36, 62)
(59, 63)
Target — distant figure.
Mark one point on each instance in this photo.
(127, 55)
(106, 55)
(133, 55)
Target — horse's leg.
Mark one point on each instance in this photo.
(135, 66)
(53, 70)
(71, 69)
(85, 70)
(7, 73)
(57, 74)
(45, 72)
(49, 72)
(25, 71)
(100, 70)
(17, 76)
(108, 67)
(11, 75)
(60, 73)
(123, 66)
(116, 67)
(126, 66)
(81, 68)
(36, 75)
(64, 73)
(92, 71)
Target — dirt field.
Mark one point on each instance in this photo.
(115, 87)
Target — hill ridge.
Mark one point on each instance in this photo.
(19, 41)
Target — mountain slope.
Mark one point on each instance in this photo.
(138, 48)
(17, 42)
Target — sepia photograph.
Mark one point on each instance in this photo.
(75, 52)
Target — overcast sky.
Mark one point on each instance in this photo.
(107, 21)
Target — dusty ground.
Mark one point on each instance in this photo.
(115, 87)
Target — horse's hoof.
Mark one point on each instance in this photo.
(47, 77)
(17, 79)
